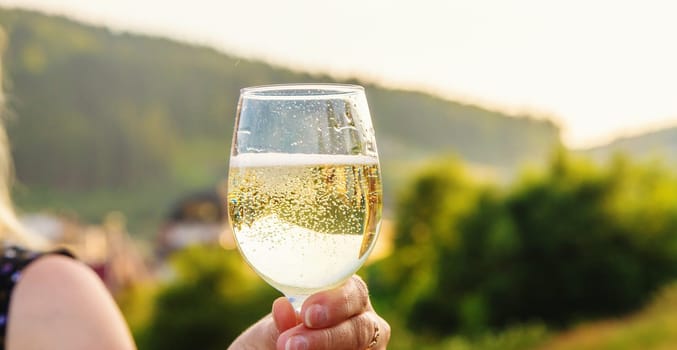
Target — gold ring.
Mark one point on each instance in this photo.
(374, 339)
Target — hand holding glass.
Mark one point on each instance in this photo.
(304, 188)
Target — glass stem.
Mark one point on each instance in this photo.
(297, 301)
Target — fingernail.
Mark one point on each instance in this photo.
(297, 342)
(316, 316)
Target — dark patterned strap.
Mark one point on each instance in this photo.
(12, 261)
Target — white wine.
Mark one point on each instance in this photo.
(304, 222)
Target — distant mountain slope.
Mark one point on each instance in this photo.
(94, 109)
(656, 144)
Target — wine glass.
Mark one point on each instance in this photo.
(304, 185)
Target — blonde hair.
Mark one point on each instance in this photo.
(11, 229)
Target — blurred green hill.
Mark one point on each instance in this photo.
(658, 144)
(98, 117)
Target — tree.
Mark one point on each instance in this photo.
(578, 241)
(212, 298)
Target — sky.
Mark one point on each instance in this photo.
(599, 68)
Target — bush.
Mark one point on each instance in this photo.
(426, 217)
(577, 242)
(210, 301)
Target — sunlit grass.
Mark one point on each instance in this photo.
(654, 327)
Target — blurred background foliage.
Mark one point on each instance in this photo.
(113, 116)
(210, 300)
(502, 238)
(575, 242)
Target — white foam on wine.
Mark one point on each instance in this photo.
(297, 159)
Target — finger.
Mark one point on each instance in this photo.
(284, 314)
(365, 331)
(383, 338)
(331, 307)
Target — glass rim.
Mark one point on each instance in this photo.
(314, 91)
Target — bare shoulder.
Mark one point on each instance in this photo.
(59, 303)
(61, 275)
